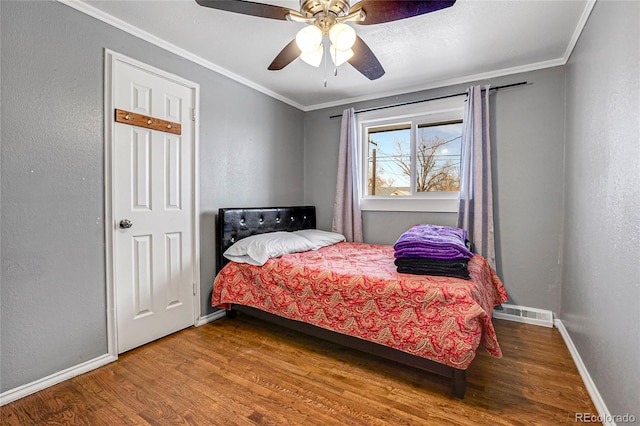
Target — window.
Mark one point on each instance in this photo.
(411, 161)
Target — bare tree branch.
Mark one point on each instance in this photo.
(430, 176)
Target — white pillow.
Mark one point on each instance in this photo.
(257, 249)
(320, 238)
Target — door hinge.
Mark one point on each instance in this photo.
(194, 289)
(193, 114)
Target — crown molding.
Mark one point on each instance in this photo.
(164, 44)
(444, 83)
(475, 77)
(576, 34)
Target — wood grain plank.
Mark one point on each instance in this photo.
(246, 371)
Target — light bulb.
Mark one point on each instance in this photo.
(313, 58)
(309, 38)
(342, 36)
(339, 57)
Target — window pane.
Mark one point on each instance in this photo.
(389, 160)
(438, 157)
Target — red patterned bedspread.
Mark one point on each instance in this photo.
(354, 289)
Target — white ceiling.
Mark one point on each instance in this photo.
(472, 40)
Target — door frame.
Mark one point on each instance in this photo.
(110, 58)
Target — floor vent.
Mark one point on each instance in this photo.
(524, 314)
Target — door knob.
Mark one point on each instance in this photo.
(126, 224)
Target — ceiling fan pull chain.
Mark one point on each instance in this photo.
(325, 73)
(325, 62)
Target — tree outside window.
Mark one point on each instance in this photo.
(432, 163)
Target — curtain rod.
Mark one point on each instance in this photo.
(430, 99)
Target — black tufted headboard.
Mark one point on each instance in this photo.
(237, 223)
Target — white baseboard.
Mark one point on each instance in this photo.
(211, 317)
(603, 411)
(40, 384)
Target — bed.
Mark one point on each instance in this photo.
(351, 293)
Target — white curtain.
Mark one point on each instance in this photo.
(476, 195)
(347, 218)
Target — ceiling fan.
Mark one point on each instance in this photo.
(327, 18)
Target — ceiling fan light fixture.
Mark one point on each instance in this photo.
(309, 38)
(342, 36)
(327, 18)
(313, 58)
(339, 57)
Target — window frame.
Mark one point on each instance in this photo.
(430, 112)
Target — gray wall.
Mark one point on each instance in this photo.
(52, 312)
(601, 271)
(527, 129)
(53, 303)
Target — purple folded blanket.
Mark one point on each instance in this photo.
(434, 242)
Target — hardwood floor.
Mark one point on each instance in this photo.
(245, 371)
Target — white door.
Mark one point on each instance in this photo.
(152, 188)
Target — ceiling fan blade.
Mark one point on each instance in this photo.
(380, 11)
(287, 55)
(249, 8)
(365, 61)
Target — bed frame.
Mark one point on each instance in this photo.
(237, 223)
